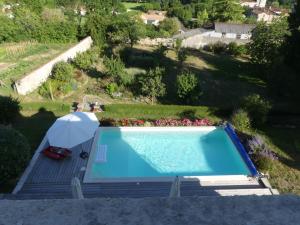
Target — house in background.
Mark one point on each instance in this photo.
(153, 17)
(233, 31)
(222, 32)
(268, 14)
(253, 3)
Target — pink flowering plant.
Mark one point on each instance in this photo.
(157, 123)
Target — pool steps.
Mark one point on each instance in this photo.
(147, 189)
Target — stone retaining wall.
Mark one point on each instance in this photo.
(34, 79)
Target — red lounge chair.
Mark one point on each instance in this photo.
(56, 153)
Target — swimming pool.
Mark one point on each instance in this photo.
(159, 153)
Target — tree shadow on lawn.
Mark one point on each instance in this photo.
(34, 127)
(224, 82)
(287, 140)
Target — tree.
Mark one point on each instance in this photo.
(8, 30)
(257, 107)
(182, 55)
(267, 41)
(123, 30)
(114, 68)
(188, 87)
(14, 153)
(202, 17)
(151, 84)
(169, 25)
(86, 59)
(292, 51)
(227, 10)
(10, 108)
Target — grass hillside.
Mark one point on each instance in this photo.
(18, 59)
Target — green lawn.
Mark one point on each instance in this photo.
(18, 59)
(132, 6)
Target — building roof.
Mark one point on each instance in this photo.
(234, 28)
(190, 33)
(154, 15)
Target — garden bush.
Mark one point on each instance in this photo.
(9, 109)
(85, 60)
(151, 84)
(188, 87)
(257, 107)
(63, 71)
(236, 50)
(260, 153)
(240, 120)
(115, 68)
(111, 88)
(14, 153)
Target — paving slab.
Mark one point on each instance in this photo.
(241, 210)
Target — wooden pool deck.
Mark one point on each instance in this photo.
(49, 179)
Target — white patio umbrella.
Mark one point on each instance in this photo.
(72, 129)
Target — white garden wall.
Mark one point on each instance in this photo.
(33, 80)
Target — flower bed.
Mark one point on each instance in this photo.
(156, 123)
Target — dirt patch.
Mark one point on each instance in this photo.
(40, 56)
(4, 66)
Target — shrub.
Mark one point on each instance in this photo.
(114, 67)
(261, 154)
(240, 120)
(188, 88)
(10, 108)
(257, 107)
(151, 84)
(111, 88)
(235, 49)
(14, 153)
(63, 71)
(85, 60)
(219, 47)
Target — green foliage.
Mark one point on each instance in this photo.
(188, 87)
(114, 68)
(14, 153)
(202, 17)
(257, 107)
(170, 26)
(63, 71)
(235, 49)
(228, 10)
(111, 88)
(151, 84)
(292, 51)
(182, 55)
(267, 42)
(217, 48)
(10, 108)
(241, 120)
(31, 24)
(123, 29)
(86, 59)
(264, 164)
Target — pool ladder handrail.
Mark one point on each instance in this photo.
(175, 188)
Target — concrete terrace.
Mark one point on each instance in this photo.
(238, 210)
(49, 179)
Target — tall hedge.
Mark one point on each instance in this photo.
(14, 153)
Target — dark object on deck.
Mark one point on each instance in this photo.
(56, 152)
(84, 155)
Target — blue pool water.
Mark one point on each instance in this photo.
(164, 153)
